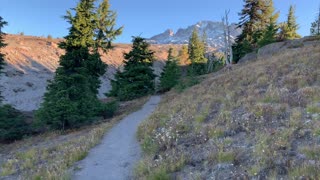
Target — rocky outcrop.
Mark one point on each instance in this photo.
(280, 47)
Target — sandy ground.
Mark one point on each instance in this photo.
(119, 150)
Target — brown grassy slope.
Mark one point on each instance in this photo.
(260, 119)
(46, 52)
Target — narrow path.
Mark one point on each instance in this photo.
(119, 150)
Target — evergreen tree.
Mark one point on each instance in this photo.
(270, 18)
(69, 101)
(289, 29)
(184, 56)
(269, 35)
(171, 73)
(106, 20)
(82, 36)
(71, 98)
(282, 31)
(81, 33)
(170, 54)
(315, 26)
(196, 51)
(137, 78)
(12, 124)
(257, 17)
(2, 45)
(250, 21)
(184, 60)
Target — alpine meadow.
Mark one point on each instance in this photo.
(227, 92)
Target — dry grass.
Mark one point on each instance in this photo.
(266, 109)
(45, 51)
(49, 156)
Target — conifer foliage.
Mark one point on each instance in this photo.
(137, 78)
(288, 30)
(269, 24)
(184, 56)
(315, 26)
(269, 35)
(12, 124)
(258, 21)
(196, 51)
(71, 97)
(106, 21)
(171, 73)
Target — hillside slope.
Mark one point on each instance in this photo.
(257, 120)
(31, 61)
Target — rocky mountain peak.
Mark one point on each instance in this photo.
(213, 31)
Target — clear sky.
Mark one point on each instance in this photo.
(139, 17)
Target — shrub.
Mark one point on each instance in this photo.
(170, 76)
(12, 124)
(49, 37)
(109, 109)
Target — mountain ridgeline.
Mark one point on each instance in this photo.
(211, 31)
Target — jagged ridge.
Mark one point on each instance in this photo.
(213, 31)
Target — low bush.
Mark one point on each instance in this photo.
(186, 83)
(109, 109)
(12, 124)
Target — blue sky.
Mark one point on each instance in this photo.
(139, 17)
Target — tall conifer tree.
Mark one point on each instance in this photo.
(183, 56)
(258, 19)
(269, 35)
(71, 97)
(137, 78)
(171, 73)
(251, 23)
(106, 32)
(196, 51)
(288, 30)
(270, 27)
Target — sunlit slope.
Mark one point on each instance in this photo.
(258, 119)
(31, 61)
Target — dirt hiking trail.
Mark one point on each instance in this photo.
(119, 150)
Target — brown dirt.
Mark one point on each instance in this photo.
(46, 51)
